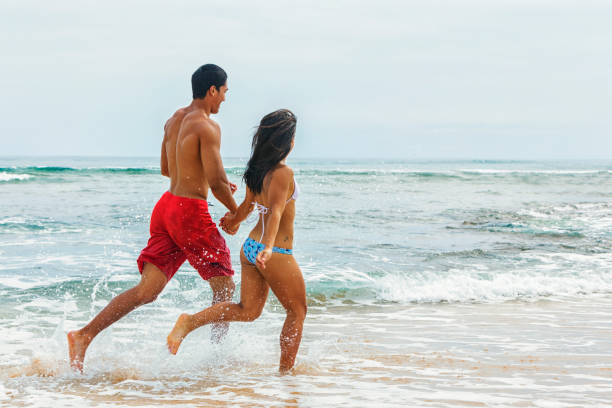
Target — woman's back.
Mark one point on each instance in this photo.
(279, 189)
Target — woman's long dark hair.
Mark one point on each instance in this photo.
(271, 144)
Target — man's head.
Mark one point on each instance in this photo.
(209, 82)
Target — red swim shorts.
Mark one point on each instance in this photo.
(182, 229)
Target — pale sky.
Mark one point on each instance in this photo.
(384, 79)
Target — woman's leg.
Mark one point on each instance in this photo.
(286, 281)
(253, 295)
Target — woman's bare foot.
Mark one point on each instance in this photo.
(77, 346)
(178, 333)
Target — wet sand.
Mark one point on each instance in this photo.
(546, 353)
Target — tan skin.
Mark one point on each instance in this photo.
(190, 157)
(280, 272)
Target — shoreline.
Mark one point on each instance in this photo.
(513, 353)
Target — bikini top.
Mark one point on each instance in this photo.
(262, 209)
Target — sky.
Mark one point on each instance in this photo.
(518, 80)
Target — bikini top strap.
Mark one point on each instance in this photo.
(260, 208)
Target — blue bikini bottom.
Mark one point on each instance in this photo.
(251, 248)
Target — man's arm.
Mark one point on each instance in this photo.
(164, 156)
(210, 145)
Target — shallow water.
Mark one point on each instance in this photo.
(429, 284)
(551, 352)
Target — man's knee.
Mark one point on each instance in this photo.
(152, 282)
(223, 288)
(146, 295)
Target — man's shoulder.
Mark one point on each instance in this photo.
(177, 117)
(199, 121)
(204, 126)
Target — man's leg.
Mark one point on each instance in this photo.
(152, 282)
(223, 291)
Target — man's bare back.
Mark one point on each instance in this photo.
(182, 150)
(191, 156)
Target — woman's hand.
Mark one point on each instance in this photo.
(228, 223)
(263, 256)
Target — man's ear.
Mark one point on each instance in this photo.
(212, 90)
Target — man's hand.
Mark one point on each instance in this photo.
(233, 187)
(263, 256)
(229, 224)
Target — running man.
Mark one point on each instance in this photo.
(181, 226)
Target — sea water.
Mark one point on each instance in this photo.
(429, 283)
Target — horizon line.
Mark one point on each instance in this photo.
(100, 156)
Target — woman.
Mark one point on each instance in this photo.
(266, 256)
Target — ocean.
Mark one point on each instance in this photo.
(429, 284)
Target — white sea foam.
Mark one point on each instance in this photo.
(462, 286)
(598, 216)
(4, 176)
(19, 282)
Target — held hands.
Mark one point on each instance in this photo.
(263, 256)
(228, 223)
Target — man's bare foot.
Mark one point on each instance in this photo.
(178, 333)
(77, 346)
(285, 370)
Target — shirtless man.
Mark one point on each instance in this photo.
(181, 226)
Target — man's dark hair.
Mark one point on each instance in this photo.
(205, 77)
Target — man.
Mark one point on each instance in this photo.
(181, 226)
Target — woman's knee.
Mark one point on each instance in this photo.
(250, 312)
(298, 311)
